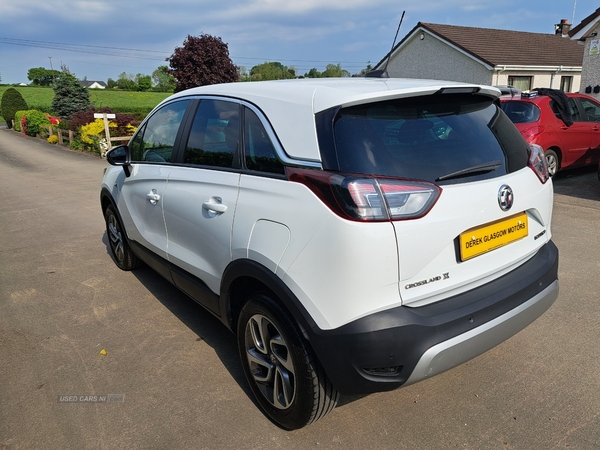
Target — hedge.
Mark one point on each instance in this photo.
(12, 101)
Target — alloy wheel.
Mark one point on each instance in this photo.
(270, 362)
(116, 238)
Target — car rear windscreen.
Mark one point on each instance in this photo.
(521, 112)
(441, 138)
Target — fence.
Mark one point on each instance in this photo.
(65, 137)
(124, 139)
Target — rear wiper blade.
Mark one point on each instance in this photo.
(475, 170)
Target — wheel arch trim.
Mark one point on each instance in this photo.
(247, 270)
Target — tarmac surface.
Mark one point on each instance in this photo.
(74, 329)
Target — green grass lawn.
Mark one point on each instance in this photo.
(140, 103)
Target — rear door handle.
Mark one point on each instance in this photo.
(214, 205)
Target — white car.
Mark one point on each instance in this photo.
(357, 235)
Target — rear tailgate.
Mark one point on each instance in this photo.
(432, 265)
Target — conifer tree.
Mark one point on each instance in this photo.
(69, 96)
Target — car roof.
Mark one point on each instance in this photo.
(518, 98)
(290, 105)
(536, 98)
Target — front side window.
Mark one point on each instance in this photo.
(214, 137)
(438, 138)
(155, 141)
(592, 109)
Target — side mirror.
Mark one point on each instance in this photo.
(120, 156)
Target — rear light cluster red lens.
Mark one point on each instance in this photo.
(537, 162)
(531, 133)
(369, 198)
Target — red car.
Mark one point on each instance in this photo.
(569, 135)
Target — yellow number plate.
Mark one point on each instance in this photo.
(486, 238)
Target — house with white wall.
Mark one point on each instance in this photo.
(488, 56)
(588, 34)
(93, 84)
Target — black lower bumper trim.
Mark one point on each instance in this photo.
(379, 352)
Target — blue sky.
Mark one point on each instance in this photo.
(102, 39)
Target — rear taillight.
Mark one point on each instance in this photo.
(532, 132)
(537, 162)
(369, 198)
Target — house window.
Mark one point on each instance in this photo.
(521, 83)
(566, 83)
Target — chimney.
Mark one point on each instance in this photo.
(562, 28)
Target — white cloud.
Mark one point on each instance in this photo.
(81, 10)
(305, 6)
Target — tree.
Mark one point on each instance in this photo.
(163, 80)
(126, 82)
(271, 71)
(331, 71)
(143, 82)
(334, 71)
(243, 74)
(366, 70)
(313, 73)
(202, 61)
(42, 77)
(12, 101)
(69, 95)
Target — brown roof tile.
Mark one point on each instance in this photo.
(506, 47)
(499, 47)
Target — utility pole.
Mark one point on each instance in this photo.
(51, 70)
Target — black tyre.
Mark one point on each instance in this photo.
(553, 162)
(117, 241)
(284, 375)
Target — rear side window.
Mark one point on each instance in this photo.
(438, 138)
(573, 110)
(214, 136)
(259, 152)
(521, 112)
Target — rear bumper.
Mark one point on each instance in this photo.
(466, 346)
(404, 345)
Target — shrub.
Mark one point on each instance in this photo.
(53, 139)
(90, 133)
(19, 119)
(12, 101)
(31, 121)
(92, 130)
(53, 120)
(123, 121)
